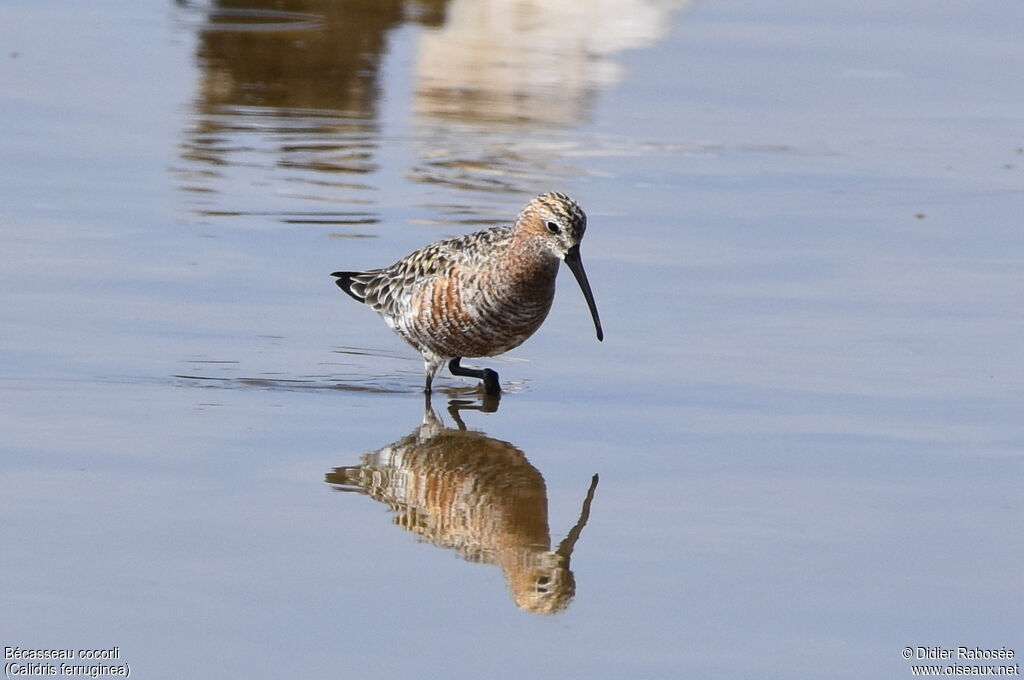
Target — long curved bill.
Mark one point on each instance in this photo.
(572, 258)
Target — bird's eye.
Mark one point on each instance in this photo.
(553, 227)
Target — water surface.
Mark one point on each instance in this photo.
(804, 240)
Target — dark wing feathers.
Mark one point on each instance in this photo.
(370, 287)
(346, 281)
(382, 288)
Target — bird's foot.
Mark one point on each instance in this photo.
(492, 387)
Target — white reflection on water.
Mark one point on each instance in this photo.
(500, 83)
(530, 63)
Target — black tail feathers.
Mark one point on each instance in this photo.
(344, 281)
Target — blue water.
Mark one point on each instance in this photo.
(804, 241)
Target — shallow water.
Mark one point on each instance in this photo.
(804, 241)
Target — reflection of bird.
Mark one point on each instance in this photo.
(480, 496)
(480, 294)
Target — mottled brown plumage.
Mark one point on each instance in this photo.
(481, 294)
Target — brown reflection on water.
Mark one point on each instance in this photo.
(287, 92)
(460, 489)
(295, 54)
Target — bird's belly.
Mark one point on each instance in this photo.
(451, 323)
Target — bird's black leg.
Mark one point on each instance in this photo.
(489, 376)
